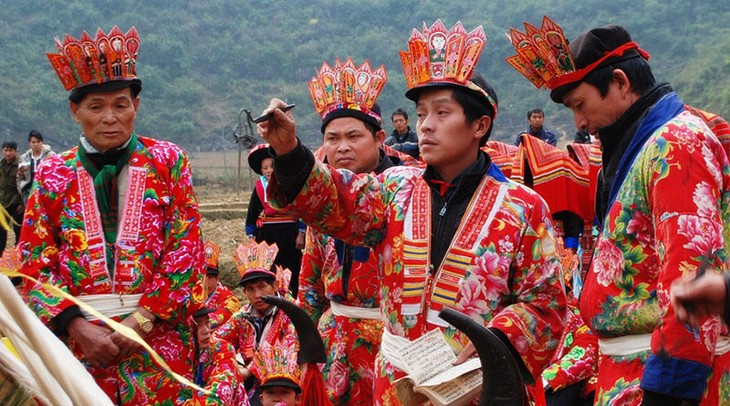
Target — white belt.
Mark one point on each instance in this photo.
(353, 312)
(110, 305)
(626, 345)
(723, 345)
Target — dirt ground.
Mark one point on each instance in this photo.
(226, 232)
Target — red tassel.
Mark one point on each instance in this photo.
(313, 391)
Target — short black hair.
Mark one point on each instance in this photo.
(35, 134)
(535, 111)
(637, 70)
(11, 145)
(399, 112)
(475, 106)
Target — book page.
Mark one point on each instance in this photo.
(427, 356)
(454, 372)
(457, 392)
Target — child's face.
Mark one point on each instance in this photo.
(279, 395)
(267, 167)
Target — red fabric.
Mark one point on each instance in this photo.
(313, 392)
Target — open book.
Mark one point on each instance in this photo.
(427, 361)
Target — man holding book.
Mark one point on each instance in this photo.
(456, 234)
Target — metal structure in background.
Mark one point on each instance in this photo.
(244, 136)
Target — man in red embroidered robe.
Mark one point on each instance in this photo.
(664, 214)
(115, 222)
(456, 234)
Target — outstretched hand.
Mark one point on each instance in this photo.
(280, 132)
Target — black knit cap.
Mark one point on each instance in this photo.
(593, 45)
(78, 94)
(345, 112)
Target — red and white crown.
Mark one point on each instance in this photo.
(86, 61)
(212, 252)
(277, 362)
(543, 55)
(251, 256)
(347, 86)
(437, 56)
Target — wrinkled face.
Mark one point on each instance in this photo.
(257, 289)
(590, 110)
(278, 395)
(203, 325)
(107, 118)
(348, 144)
(267, 167)
(444, 136)
(536, 120)
(9, 153)
(36, 145)
(400, 123)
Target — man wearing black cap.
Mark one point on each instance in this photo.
(456, 234)
(665, 175)
(115, 221)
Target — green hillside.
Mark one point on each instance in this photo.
(202, 61)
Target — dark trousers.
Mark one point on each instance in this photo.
(18, 217)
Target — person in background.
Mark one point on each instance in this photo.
(402, 138)
(258, 322)
(216, 369)
(535, 119)
(9, 196)
(265, 224)
(29, 162)
(219, 298)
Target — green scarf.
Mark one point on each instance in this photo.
(107, 196)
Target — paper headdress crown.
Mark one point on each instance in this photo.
(543, 55)
(347, 86)
(105, 58)
(212, 251)
(276, 365)
(438, 56)
(251, 258)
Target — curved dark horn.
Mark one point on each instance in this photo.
(502, 383)
(311, 347)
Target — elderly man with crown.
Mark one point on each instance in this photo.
(218, 297)
(257, 322)
(663, 207)
(115, 223)
(337, 284)
(455, 235)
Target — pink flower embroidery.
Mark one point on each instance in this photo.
(640, 227)
(338, 378)
(704, 235)
(705, 200)
(609, 262)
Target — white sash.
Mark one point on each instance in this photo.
(628, 345)
(625, 345)
(110, 305)
(353, 312)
